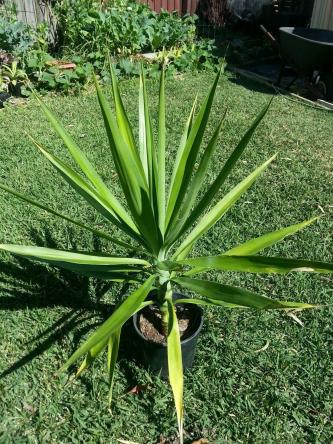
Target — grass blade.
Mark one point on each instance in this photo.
(175, 365)
(235, 295)
(221, 178)
(66, 218)
(253, 246)
(220, 208)
(131, 304)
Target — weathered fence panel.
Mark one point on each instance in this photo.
(34, 12)
(181, 6)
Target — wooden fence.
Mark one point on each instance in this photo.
(212, 13)
(31, 12)
(181, 6)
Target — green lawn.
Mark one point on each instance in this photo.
(258, 377)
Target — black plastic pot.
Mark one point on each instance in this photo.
(15, 90)
(154, 356)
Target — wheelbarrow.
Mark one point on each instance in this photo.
(307, 50)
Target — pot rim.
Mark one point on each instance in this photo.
(175, 295)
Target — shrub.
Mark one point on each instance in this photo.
(19, 38)
(120, 28)
(49, 74)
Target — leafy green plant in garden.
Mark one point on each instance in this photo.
(48, 73)
(198, 56)
(120, 28)
(45, 73)
(56, 79)
(33, 61)
(17, 37)
(161, 225)
(12, 77)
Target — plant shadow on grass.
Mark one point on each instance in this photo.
(252, 85)
(32, 285)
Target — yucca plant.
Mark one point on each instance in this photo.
(161, 227)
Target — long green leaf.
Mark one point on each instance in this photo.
(74, 259)
(89, 194)
(142, 131)
(196, 184)
(185, 168)
(86, 166)
(129, 276)
(92, 354)
(95, 351)
(122, 118)
(147, 138)
(182, 144)
(208, 302)
(258, 264)
(185, 252)
(113, 347)
(161, 155)
(131, 304)
(220, 208)
(253, 246)
(175, 365)
(132, 178)
(222, 176)
(235, 295)
(127, 134)
(66, 218)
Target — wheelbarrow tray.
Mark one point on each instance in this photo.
(307, 49)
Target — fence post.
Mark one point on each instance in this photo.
(33, 12)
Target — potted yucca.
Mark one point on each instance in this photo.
(161, 226)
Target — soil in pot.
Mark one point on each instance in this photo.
(150, 323)
(152, 342)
